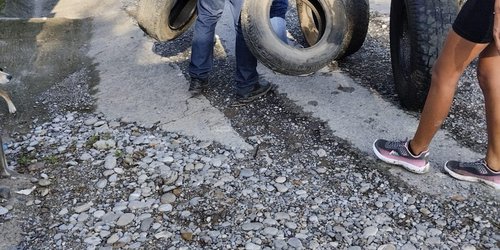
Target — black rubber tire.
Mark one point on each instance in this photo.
(358, 16)
(280, 57)
(418, 29)
(165, 20)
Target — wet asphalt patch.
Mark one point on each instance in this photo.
(43, 55)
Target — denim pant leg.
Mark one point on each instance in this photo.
(279, 27)
(279, 8)
(202, 48)
(246, 75)
(278, 22)
(246, 63)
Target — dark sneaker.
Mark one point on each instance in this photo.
(257, 91)
(473, 171)
(196, 86)
(397, 152)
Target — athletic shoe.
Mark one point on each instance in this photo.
(473, 171)
(397, 152)
(196, 86)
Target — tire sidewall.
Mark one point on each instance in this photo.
(154, 18)
(405, 89)
(280, 57)
(428, 23)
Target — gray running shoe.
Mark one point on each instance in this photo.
(397, 152)
(473, 171)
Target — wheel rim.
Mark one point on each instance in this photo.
(181, 13)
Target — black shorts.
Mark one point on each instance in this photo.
(475, 21)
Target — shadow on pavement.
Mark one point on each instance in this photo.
(47, 58)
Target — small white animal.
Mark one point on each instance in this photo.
(5, 78)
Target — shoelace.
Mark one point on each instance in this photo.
(474, 164)
(398, 145)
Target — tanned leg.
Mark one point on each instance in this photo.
(489, 79)
(456, 55)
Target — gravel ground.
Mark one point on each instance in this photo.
(101, 184)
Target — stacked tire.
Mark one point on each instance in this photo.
(333, 29)
(330, 26)
(358, 16)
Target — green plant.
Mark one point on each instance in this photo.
(25, 159)
(92, 139)
(118, 153)
(51, 159)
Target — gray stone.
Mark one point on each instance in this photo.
(110, 162)
(251, 226)
(146, 224)
(125, 219)
(245, 173)
(3, 210)
(93, 240)
(83, 207)
(252, 246)
(295, 242)
(168, 198)
(5, 193)
(113, 238)
(165, 208)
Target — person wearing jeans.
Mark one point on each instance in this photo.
(247, 85)
(278, 22)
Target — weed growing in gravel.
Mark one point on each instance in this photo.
(25, 159)
(51, 159)
(118, 153)
(92, 139)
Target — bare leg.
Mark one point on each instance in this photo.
(489, 80)
(456, 55)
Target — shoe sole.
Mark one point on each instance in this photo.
(409, 167)
(471, 178)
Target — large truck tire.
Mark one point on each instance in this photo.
(165, 20)
(283, 58)
(418, 29)
(358, 16)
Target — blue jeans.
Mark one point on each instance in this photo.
(209, 13)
